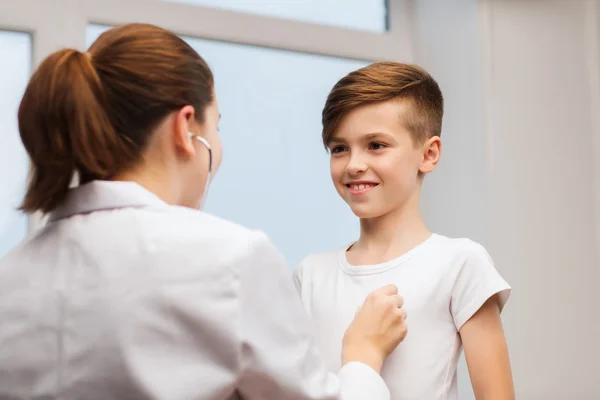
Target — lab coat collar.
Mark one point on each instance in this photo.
(105, 195)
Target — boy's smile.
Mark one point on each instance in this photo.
(357, 188)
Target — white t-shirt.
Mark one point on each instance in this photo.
(443, 281)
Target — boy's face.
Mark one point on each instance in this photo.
(375, 166)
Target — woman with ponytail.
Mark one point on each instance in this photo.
(131, 291)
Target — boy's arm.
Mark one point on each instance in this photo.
(478, 296)
(486, 352)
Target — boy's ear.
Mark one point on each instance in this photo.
(432, 150)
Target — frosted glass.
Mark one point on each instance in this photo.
(15, 68)
(367, 15)
(275, 171)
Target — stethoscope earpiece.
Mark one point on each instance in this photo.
(210, 162)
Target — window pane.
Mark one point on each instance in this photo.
(15, 48)
(275, 171)
(368, 15)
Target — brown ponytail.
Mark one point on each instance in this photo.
(92, 113)
(64, 127)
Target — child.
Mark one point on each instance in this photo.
(382, 126)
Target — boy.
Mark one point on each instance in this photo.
(382, 126)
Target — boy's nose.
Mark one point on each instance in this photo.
(356, 166)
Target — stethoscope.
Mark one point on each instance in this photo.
(209, 177)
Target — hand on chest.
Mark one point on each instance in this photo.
(335, 302)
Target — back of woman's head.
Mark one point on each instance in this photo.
(93, 113)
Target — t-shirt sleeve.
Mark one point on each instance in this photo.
(476, 280)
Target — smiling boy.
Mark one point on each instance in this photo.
(382, 126)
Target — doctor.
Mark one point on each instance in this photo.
(130, 292)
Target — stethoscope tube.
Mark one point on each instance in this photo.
(210, 164)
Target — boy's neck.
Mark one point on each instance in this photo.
(389, 236)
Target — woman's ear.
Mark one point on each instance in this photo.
(182, 127)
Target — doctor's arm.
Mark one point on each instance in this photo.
(278, 355)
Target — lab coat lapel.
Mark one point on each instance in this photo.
(105, 195)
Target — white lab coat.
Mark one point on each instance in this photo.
(122, 296)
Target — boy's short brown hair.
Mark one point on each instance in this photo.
(385, 81)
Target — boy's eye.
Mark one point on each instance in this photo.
(376, 146)
(337, 149)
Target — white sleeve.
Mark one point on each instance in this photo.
(476, 280)
(279, 357)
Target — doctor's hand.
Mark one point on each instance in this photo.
(378, 327)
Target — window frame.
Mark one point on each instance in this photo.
(62, 23)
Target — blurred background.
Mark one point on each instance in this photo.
(520, 171)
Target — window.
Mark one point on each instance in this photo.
(15, 67)
(368, 15)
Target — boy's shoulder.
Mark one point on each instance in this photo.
(322, 261)
(457, 258)
(459, 249)
(461, 246)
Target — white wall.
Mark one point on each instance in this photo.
(593, 40)
(541, 204)
(521, 83)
